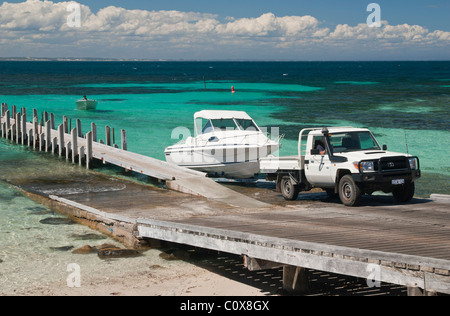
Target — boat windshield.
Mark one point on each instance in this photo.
(218, 125)
(247, 125)
(224, 125)
(353, 141)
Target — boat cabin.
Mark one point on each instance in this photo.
(216, 121)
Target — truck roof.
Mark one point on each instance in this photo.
(338, 129)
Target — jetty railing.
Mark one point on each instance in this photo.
(43, 134)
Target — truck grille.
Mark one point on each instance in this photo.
(393, 163)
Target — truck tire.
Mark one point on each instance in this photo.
(349, 191)
(404, 193)
(289, 189)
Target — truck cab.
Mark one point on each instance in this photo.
(344, 161)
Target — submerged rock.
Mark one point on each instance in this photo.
(87, 237)
(57, 221)
(38, 210)
(1, 260)
(116, 252)
(63, 248)
(85, 250)
(175, 254)
(107, 251)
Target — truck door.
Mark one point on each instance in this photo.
(318, 169)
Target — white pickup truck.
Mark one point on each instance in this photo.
(346, 161)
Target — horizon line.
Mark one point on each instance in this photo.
(76, 59)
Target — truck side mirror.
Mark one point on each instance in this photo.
(384, 147)
(315, 151)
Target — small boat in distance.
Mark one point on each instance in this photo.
(225, 144)
(85, 104)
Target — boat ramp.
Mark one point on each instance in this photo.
(379, 241)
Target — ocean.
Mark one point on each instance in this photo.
(405, 104)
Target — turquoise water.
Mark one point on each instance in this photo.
(404, 104)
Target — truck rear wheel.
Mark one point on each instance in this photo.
(289, 189)
(349, 191)
(404, 193)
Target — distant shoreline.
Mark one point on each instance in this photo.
(87, 59)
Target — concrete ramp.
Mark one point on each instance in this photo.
(177, 178)
(210, 189)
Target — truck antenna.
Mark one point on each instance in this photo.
(406, 142)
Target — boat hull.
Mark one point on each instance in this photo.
(86, 105)
(221, 161)
(238, 170)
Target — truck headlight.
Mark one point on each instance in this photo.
(365, 166)
(412, 163)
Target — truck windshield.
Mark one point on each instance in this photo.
(353, 141)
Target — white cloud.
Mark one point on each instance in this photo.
(111, 30)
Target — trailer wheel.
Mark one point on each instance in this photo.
(289, 190)
(349, 191)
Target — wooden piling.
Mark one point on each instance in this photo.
(66, 124)
(52, 121)
(89, 151)
(108, 135)
(47, 136)
(54, 145)
(35, 131)
(8, 122)
(94, 132)
(23, 111)
(124, 139)
(79, 131)
(24, 127)
(74, 135)
(61, 140)
(13, 129)
(4, 109)
(68, 147)
(13, 111)
(30, 138)
(18, 127)
(81, 155)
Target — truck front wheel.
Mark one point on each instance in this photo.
(289, 189)
(349, 191)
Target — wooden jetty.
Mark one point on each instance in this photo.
(380, 241)
(83, 148)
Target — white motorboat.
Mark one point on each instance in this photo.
(86, 105)
(225, 144)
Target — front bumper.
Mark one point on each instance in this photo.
(385, 176)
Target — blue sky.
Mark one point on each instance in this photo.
(434, 14)
(216, 30)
